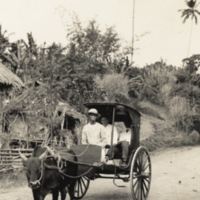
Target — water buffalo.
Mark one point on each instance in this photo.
(44, 177)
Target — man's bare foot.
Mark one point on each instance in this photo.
(123, 164)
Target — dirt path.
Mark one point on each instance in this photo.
(176, 176)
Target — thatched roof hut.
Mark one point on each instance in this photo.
(34, 103)
(9, 83)
(7, 78)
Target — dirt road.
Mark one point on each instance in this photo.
(176, 176)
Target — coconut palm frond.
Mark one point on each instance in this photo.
(196, 20)
(186, 17)
(197, 12)
(185, 12)
(197, 5)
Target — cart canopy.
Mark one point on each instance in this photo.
(123, 113)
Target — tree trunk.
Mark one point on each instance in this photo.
(190, 38)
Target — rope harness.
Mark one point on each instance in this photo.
(41, 176)
(60, 165)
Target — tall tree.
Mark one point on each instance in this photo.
(190, 12)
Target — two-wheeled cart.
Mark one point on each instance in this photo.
(138, 168)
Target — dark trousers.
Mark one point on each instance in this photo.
(120, 147)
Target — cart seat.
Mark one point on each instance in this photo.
(119, 155)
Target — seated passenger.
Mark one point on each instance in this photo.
(121, 147)
(108, 128)
(94, 132)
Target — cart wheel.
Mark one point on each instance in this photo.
(140, 174)
(81, 187)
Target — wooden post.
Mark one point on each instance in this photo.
(27, 141)
(51, 80)
(2, 114)
(133, 31)
(62, 125)
(113, 124)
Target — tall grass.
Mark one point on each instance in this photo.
(9, 179)
(177, 129)
(167, 135)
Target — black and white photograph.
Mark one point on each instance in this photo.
(99, 99)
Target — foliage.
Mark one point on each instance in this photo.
(170, 137)
(115, 86)
(94, 67)
(4, 41)
(191, 11)
(147, 85)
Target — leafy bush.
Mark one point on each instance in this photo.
(115, 85)
(10, 178)
(194, 137)
(168, 136)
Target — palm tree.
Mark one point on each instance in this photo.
(190, 12)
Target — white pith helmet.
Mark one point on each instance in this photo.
(93, 111)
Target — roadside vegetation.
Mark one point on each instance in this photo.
(94, 67)
(12, 179)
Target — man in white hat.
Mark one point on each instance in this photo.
(94, 132)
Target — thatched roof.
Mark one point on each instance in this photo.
(9, 78)
(35, 101)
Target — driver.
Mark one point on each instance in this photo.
(94, 132)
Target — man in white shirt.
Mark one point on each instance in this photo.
(121, 147)
(108, 128)
(94, 132)
(125, 136)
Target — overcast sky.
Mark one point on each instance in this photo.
(168, 38)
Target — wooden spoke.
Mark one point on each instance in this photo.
(146, 179)
(139, 185)
(135, 183)
(143, 192)
(86, 178)
(144, 163)
(137, 164)
(145, 185)
(138, 170)
(81, 187)
(137, 190)
(83, 182)
(146, 189)
(140, 160)
(146, 167)
(78, 187)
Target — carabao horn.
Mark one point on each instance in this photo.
(43, 156)
(23, 157)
